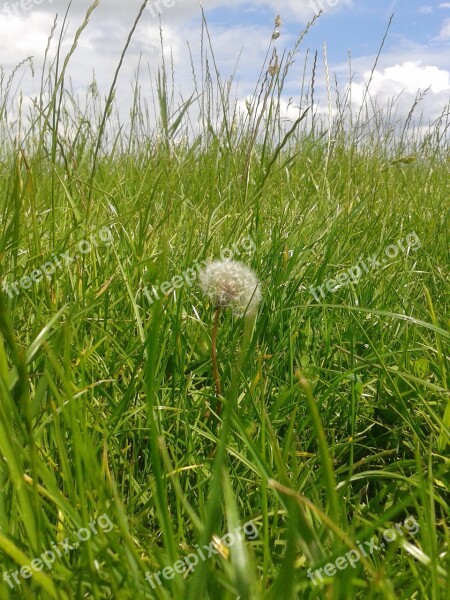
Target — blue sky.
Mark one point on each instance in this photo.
(362, 26)
(357, 27)
(416, 54)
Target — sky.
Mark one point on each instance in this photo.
(415, 56)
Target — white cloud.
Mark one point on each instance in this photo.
(403, 82)
(444, 33)
(305, 9)
(20, 37)
(177, 10)
(412, 76)
(426, 9)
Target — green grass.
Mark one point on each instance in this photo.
(336, 413)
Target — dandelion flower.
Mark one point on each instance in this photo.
(229, 284)
(232, 284)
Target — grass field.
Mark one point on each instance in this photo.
(328, 465)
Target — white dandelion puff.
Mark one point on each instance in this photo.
(232, 284)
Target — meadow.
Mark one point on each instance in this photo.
(326, 472)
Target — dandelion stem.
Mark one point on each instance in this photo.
(214, 355)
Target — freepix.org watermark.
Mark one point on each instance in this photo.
(16, 8)
(189, 562)
(351, 558)
(188, 277)
(321, 5)
(158, 6)
(354, 274)
(47, 558)
(104, 236)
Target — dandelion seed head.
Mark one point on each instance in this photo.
(229, 283)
